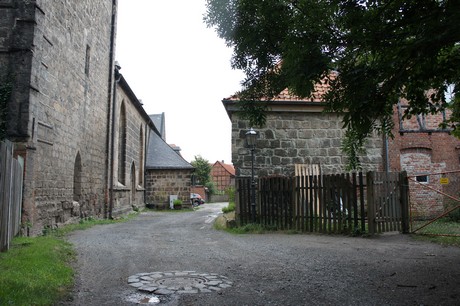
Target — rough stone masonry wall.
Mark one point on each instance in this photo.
(132, 192)
(297, 138)
(16, 51)
(162, 183)
(66, 108)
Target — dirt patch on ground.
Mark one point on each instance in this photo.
(268, 269)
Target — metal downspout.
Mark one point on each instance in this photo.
(114, 108)
(111, 102)
(147, 137)
(387, 153)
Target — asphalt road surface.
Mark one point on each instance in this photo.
(165, 258)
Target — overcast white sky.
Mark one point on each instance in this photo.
(176, 65)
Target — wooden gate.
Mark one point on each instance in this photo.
(388, 202)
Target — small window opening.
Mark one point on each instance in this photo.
(422, 178)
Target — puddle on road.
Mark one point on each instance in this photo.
(143, 299)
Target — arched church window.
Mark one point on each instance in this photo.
(122, 145)
(141, 156)
(77, 173)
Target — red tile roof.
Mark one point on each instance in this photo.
(229, 168)
(319, 90)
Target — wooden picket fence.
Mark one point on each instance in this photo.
(351, 203)
(11, 182)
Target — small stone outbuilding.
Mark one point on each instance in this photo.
(167, 174)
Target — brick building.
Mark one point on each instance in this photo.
(428, 153)
(223, 176)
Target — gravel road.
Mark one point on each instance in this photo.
(217, 268)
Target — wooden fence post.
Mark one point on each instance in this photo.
(404, 199)
(11, 182)
(370, 203)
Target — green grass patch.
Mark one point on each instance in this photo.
(37, 270)
(443, 231)
(443, 240)
(229, 208)
(250, 228)
(85, 224)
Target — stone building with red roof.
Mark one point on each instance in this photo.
(297, 131)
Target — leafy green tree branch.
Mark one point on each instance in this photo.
(377, 51)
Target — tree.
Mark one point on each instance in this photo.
(203, 173)
(202, 170)
(372, 53)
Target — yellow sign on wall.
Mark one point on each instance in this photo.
(444, 180)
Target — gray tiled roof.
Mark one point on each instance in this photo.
(159, 122)
(161, 156)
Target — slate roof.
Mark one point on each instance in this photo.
(161, 156)
(136, 102)
(159, 122)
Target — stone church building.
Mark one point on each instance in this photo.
(71, 115)
(59, 59)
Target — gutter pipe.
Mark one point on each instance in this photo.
(111, 109)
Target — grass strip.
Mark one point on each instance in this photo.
(37, 270)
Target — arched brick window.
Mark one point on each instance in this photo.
(122, 145)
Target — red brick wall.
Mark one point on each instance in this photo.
(220, 176)
(424, 153)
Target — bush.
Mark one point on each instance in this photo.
(454, 216)
(229, 208)
(177, 203)
(230, 191)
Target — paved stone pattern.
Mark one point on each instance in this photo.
(181, 282)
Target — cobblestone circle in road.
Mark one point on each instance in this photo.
(163, 283)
